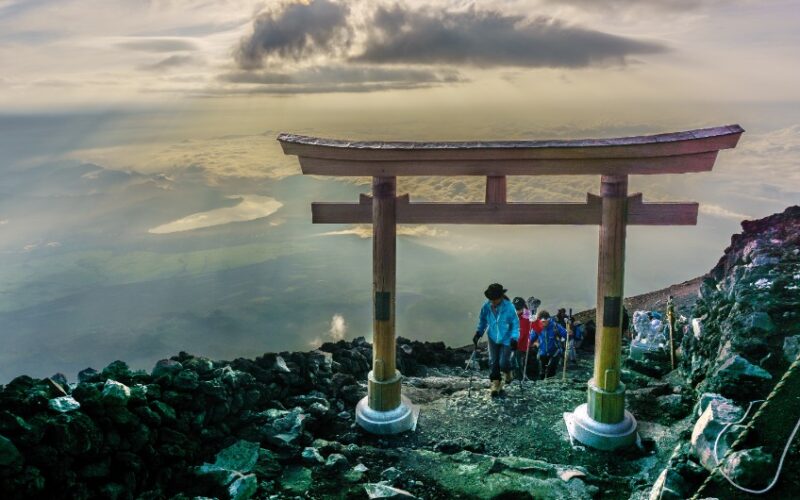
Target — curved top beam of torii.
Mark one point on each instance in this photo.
(677, 152)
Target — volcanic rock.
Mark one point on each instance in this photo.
(751, 468)
(63, 404)
(386, 492)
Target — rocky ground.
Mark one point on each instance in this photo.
(282, 425)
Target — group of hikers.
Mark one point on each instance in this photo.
(516, 333)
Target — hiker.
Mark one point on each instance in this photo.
(575, 338)
(527, 340)
(561, 317)
(499, 319)
(550, 336)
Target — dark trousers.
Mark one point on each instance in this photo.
(499, 355)
(548, 365)
(518, 362)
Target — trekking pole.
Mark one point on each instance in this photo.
(525, 368)
(671, 327)
(470, 362)
(568, 324)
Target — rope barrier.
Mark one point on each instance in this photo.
(741, 438)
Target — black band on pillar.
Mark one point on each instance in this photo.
(612, 311)
(383, 306)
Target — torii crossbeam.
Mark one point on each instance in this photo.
(603, 421)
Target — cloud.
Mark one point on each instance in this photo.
(344, 74)
(336, 332)
(211, 159)
(338, 328)
(414, 231)
(337, 78)
(170, 62)
(664, 5)
(481, 38)
(719, 211)
(250, 207)
(158, 45)
(298, 30)
(323, 46)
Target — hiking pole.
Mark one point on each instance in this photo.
(671, 327)
(470, 362)
(525, 368)
(568, 324)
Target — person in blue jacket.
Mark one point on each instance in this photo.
(550, 335)
(498, 318)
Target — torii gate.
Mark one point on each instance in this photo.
(603, 421)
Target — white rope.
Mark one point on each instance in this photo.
(780, 463)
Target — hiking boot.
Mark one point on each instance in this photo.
(495, 390)
(508, 377)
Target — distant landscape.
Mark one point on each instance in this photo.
(86, 278)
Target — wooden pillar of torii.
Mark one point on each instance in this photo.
(603, 421)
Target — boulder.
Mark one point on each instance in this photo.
(243, 487)
(336, 464)
(384, 492)
(166, 368)
(9, 454)
(88, 375)
(117, 370)
(63, 404)
(673, 405)
(286, 428)
(751, 468)
(296, 480)
(391, 475)
(115, 393)
(356, 474)
(267, 465)
(200, 365)
(791, 348)
(474, 475)
(669, 486)
(186, 380)
(718, 412)
(60, 379)
(738, 379)
(240, 456)
(228, 476)
(311, 456)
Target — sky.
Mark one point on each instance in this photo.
(146, 208)
(125, 53)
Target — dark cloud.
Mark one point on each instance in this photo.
(485, 38)
(158, 45)
(171, 62)
(296, 31)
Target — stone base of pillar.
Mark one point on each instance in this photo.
(401, 419)
(585, 430)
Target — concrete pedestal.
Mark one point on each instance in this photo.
(590, 432)
(641, 351)
(401, 419)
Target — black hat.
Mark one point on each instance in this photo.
(495, 291)
(519, 303)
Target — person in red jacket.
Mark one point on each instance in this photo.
(527, 340)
